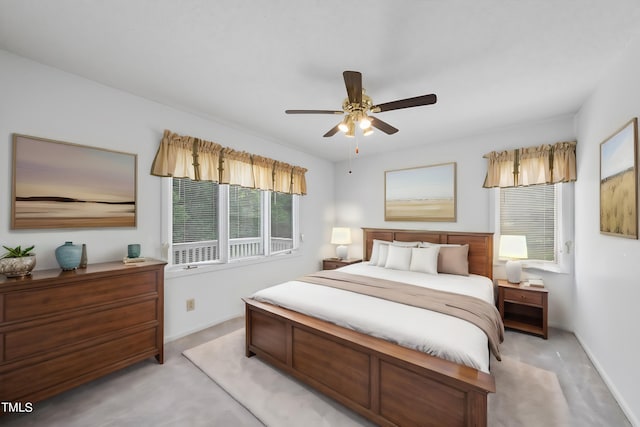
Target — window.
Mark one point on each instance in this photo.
(281, 222)
(195, 221)
(245, 222)
(215, 223)
(541, 213)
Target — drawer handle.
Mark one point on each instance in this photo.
(522, 297)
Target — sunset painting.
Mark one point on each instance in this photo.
(421, 194)
(63, 185)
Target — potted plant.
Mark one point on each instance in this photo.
(17, 262)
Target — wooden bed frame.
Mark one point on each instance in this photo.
(386, 383)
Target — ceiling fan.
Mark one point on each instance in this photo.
(357, 106)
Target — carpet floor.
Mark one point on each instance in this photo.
(526, 395)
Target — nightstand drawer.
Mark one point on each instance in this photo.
(523, 296)
(332, 265)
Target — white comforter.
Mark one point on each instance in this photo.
(434, 333)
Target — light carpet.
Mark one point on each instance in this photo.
(526, 395)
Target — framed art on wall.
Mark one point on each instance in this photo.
(426, 193)
(62, 185)
(619, 182)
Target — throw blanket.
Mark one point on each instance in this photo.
(474, 310)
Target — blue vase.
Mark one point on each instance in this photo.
(68, 256)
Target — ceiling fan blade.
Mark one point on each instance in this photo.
(406, 103)
(313, 112)
(332, 131)
(383, 126)
(353, 82)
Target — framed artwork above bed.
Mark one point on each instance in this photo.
(426, 193)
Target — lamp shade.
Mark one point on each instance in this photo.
(341, 236)
(513, 247)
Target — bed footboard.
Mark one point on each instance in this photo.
(386, 383)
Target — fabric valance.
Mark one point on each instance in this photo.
(188, 157)
(544, 164)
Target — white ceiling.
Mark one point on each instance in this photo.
(492, 63)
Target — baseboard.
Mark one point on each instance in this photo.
(201, 327)
(610, 385)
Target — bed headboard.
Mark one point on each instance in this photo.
(480, 244)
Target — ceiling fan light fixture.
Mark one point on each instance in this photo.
(344, 124)
(365, 122)
(357, 105)
(351, 132)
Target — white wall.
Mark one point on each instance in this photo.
(360, 195)
(607, 267)
(42, 101)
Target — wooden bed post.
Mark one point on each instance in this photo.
(248, 329)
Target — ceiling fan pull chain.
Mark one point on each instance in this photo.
(349, 156)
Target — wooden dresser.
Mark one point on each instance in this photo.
(59, 329)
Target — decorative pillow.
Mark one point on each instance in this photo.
(454, 260)
(373, 260)
(383, 250)
(425, 260)
(398, 257)
(406, 244)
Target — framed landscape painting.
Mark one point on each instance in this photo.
(619, 182)
(425, 193)
(63, 185)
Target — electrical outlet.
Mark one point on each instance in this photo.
(191, 304)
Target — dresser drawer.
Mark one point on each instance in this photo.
(89, 362)
(52, 335)
(26, 304)
(523, 296)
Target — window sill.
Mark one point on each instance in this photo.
(183, 270)
(540, 265)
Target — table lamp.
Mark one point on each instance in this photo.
(341, 236)
(514, 248)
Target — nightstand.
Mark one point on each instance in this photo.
(523, 308)
(333, 263)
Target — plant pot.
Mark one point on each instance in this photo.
(17, 267)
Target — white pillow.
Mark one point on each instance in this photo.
(373, 259)
(425, 260)
(383, 250)
(398, 257)
(407, 244)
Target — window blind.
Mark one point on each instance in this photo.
(195, 210)
(281, 221)
(531, 211)
(245, 222)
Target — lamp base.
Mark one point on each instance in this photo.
(342, 252)
(514, 271)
